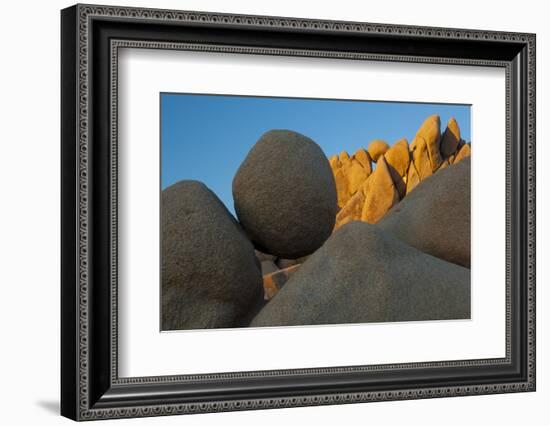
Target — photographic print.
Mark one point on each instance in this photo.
(302, 212)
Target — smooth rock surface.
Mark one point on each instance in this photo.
(377, 148)
(285, 194)
(364, 159)
(265, 256)
(431, 133)
(210, 274)
(435, 217)
(363, 274)
(351, 211)
(421, 158)
(398, 159)
(381, 194)
(275, 281)
(464, 152)
(268, 267)
(285, 263)
(450, 138)
(412, 178)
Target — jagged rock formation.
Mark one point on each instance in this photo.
(285, 195)
(367, 193)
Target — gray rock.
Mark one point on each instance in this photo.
(268, 267)
(265, 256)
(363, 274)
(210, 275)
(285, 263)
(435, 217)
(285, 195)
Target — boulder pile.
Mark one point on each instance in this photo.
(382, 235)
(372, 181)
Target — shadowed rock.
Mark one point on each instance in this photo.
(398, 159)
(285, 263)
(268, 267)
(435, 217)
(412, 178)
(362, 274)
(431, 133)
(210, 274)
(285, 194)
(450, 138)
(421, 158)
(275, 281)
(265, 256)
(464, 152)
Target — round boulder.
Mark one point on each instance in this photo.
(211, 277)
(377, 148)
(285, 195)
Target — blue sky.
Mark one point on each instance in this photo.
(206, 137)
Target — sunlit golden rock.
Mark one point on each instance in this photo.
(377, 148)
(381, 193)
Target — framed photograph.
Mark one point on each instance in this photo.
(263, 212)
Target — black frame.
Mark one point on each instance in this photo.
(90, 387)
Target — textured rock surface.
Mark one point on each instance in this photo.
(450, 139)
(377, 148)
(362, 274)
(285, 194)
(435, 217)
(210, 275)
(381, 193)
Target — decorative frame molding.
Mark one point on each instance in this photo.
(91, 388)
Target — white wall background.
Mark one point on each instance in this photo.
(29, 213)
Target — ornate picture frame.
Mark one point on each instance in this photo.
(91, 37)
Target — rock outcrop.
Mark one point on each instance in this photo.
(210, 275)
(381, 193)
(285, 194)
(365, 193)
(363, 274)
